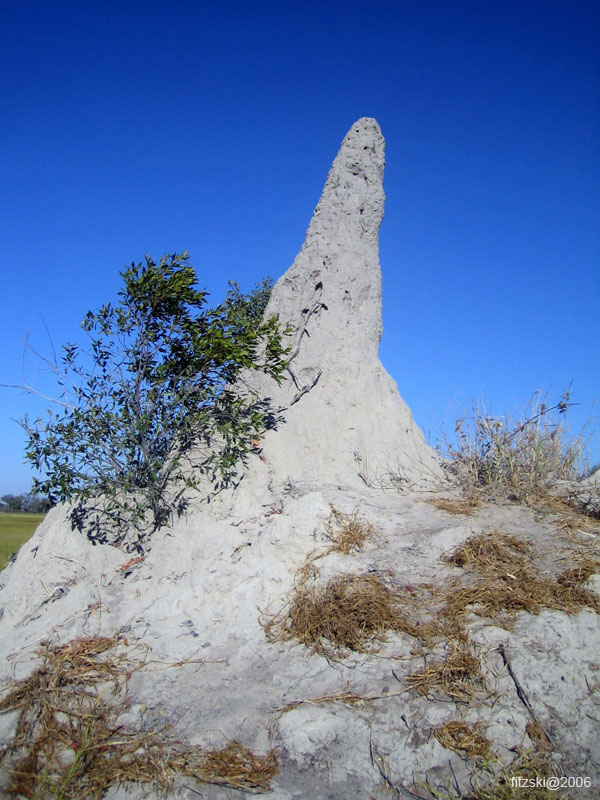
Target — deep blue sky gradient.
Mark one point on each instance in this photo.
(157, 127)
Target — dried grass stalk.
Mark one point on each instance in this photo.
(458, 677)
(463, 739)
(348, 532)
(349, 613)
(69, 743)
(462, 505)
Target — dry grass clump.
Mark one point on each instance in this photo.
(500, 599)
(569, 516)
(354, 612)
(348, 532)
(464, 739)
(578, 574)
(538, 735)
(459, 505)
(491, 551)
(497, 599)
(520, 456)
(233, 766)
(351, 612)
(458, 677)
(69, 743)
(502, 580)
(509, 582)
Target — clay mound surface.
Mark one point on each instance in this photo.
(227, 618)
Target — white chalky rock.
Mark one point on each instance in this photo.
(345, 421)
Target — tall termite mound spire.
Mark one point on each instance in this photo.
(344, 419)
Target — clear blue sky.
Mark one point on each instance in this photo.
(136, 127)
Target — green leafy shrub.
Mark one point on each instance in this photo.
(156, 406)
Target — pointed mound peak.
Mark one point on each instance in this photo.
(354, 187)
(344, 419)
(338, 265)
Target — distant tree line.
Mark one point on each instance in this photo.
(24, 502)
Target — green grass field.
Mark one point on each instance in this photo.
(15, 529)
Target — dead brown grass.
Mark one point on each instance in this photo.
(233, 766)
(501, 598)
(354, 613)
(460, 505)
(584, 568)
(458, 676)
(491, 551)
(464, 739)
(348, 532)
(507, 581)
(499, 579)
(70, 743)
(538, 735)
(349, 613)
(569, 516)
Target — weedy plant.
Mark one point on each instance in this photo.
(519, 456)
(525, 779)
